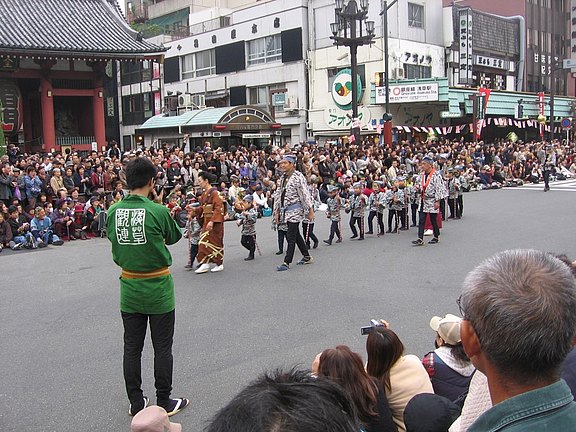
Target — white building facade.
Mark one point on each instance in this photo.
(416, 51)
(257, 58)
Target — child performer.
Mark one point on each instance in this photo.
(357, 204)
(334, 205)
(246, 216)
(193, 229)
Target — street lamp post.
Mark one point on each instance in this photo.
(352, 29)
(387, 116)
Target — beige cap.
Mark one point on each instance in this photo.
(448, 328)
(153, 419)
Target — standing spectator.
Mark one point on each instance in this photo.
(174, 175)
(113, 151)
(97, 180)
(6, 183)
(110, 178)
(68, 179)
(33, 186)
(520, 344)
(82, 182)
(139, 231)
(19, 191)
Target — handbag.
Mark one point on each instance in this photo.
(267, 212)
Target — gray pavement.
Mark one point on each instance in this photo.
(61, 332)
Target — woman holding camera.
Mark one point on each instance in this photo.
(401, 376)
(345, 367)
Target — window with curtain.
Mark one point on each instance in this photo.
(265, 50)
(415, 15)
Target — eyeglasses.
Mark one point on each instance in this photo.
(459, 303)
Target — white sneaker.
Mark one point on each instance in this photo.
(202, 269)
(218, 268)
(428, 232)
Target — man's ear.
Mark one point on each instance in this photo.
(470, 340)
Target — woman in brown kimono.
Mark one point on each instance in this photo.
(211, 244)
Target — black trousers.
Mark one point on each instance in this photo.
(414, 208)
(393, 215)
(379, 219)
(162, 332)
(357, 221)
(249, 243)
(308, 228)
(460, 205)
(454, 204)
(281, 236)
(403, 217)
(443, 208)
(546, 174)
(193, 253)
(422, 223)
(294, 239)
(335, 231)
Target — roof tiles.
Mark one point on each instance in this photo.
(81, 27)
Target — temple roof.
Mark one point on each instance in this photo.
(70, 28)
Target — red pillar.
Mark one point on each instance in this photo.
(47, 104)
(27, 122)
(98, 116)
(388, 133)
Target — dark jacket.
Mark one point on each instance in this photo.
(6, 186)
(5, 233)
(446, 381)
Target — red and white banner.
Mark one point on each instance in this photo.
(482, 122)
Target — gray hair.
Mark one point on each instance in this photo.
(522, 306)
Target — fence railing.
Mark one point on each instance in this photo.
(75, 140)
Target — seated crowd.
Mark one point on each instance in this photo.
(74, 190)
(508, 364)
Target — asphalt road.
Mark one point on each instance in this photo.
(61, 332)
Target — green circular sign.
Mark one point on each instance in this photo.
(342, 89)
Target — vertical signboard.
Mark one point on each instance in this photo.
(465, 56)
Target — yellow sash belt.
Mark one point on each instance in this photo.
(128, 274)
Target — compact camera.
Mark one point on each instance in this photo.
(373, 323)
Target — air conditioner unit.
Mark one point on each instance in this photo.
(199, 100)
(290, 103)
(398, 73)
(185, 100)
(309, 126)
